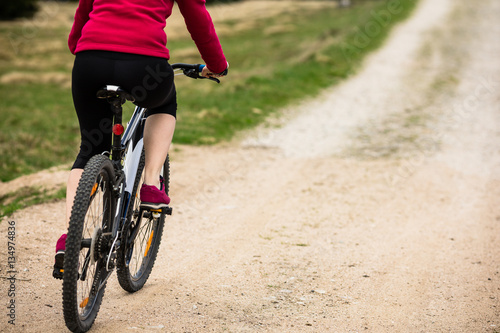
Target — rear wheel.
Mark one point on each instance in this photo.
(142, 237)
(86, 245)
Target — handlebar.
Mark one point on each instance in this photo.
(193, 71)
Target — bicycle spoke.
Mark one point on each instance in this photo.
(143, 236)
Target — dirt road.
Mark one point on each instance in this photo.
(374, 207)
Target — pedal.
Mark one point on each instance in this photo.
(167, 210)
(156, 212)
(58, 271)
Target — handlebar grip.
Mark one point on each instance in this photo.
(193, 71)
(196, 67)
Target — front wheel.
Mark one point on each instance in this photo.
(85, 271)
(141, 236)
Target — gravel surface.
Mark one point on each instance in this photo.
(373, 207)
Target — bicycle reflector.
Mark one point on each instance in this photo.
(118, 129)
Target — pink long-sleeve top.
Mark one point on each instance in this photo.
(137, 26)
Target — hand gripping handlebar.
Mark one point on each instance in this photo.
(193, 71)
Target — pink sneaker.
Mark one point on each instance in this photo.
(153, 198)
(59, 260)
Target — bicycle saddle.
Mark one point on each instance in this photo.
(110, 92)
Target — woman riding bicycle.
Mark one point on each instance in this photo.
(123, 43)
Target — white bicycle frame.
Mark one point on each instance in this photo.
(133, 142)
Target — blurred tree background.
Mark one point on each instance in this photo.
(10, 10)
(13, 9)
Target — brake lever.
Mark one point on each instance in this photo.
(195, 75)
(211, 78)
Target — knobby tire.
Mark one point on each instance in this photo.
(93, 209)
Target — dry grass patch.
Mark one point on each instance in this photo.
(61, 79)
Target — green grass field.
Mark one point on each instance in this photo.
(274, 63)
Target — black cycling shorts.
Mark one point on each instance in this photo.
(149, 79)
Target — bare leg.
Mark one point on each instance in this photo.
(73, 180)
(158, 133)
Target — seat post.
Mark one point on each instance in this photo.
(117, 130)
(116, 97)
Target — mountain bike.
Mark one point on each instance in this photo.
(108, 228)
